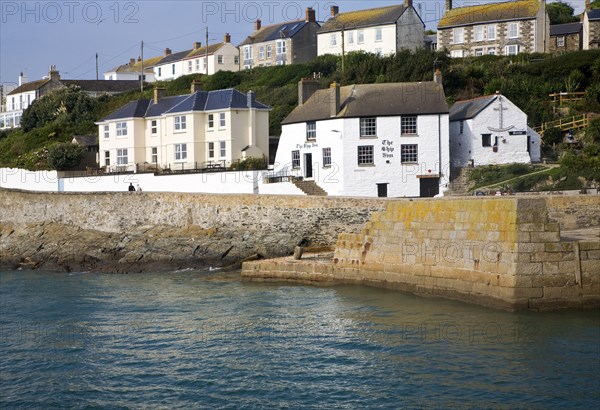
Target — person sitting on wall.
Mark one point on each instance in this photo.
(139, 188)
(131, 187)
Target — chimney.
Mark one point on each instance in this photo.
(196, 86)
(334, 101)
(197, 45)
(167, 52)
(132, 61)
(159, 94)
(310, 15)
(227, 38)
(257, 25)
(139, 59)
(437, 76)
(53, 74)
(306, 88)
(22, 79)
(408, 3)
(448, 5)
(587, 5)
(334, 11)
(250, 99)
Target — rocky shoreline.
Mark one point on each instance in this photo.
(59, 247)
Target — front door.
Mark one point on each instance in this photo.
(430, 187)
(308, 166)
(382, 190)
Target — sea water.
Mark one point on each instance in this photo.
(206, 340)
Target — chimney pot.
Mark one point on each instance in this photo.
(227, 38)
(131, 61)
(448, 5)
(257, 25)
(437, 77)
(251, 99)
(159, 94)
(167, 52)
(587, 4)
(408, 3)
(306, 88)
(310, 15)
(334, 102)
(334, 11)
(197, 45)
(196, 86)
(53, 74)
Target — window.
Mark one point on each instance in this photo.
(211, 150)
(378, 34)
(236, 60)
(462, 126)
(326, 157)
(261, 53)
(486, 140)
(106, 132)
(361, 36)
(154, 127)
(333, 40)
(368, 127)
(211, 120)
(280, 47)
(222, 119)
(190, 66)
(173, 69)
(409, 153)
(513, 30)
(180, 123)
(491, 51)
(154, 153)
(478, 33)
(350, 35)
(197, 64)
(457, 53)
(269, 51)
(121, 129)
(247, 52)
(311, 130)
(459, 35)
(222, 149)
(159, 71)
(107, 158)
(478, 52)
(365, 155)
(295, 159)
(122, 156)
(180, 152)
(560, 41)
(512, 50)
(491, 32)
(408, 125)
(219, 59)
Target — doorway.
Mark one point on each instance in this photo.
(308, 166)
(382, 190)
(430, 187)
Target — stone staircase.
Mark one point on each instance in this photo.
(459, 182)
(310, 188)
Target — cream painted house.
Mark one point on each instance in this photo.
(506, 28)
(203, 129)
(591, 28)
(367, 139)
(384, 30)
(491, 130)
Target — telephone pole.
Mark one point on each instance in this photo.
(96, 66)
(142, 73)
(206, 57)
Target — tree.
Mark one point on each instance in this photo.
(65, 156)
(595, 4)
(561, 13)
(553, 136)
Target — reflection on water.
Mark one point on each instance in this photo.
(198, 339)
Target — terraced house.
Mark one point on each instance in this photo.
(383, 30)
(197, 130)
(507, 28)
(282, 43)
(591, 28)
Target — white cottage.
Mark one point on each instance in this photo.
(491, 130)
(204, 129)
(367, 140)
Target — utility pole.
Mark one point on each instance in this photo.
(343, 50)
(206, 57)
(142, 73)
(96, 66)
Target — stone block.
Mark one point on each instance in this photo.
(545, 237)
(551, 227)
(589, 246)
(528, 269)
(547, 257)
(559, 247)
(558, 280)
(590, 267)
(531, 227)
(528, 292)
(567, 267)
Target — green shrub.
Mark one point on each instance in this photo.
(64, 156)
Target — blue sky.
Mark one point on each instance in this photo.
(69, 33)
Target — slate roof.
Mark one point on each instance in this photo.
(199, 101)
(174, 57)
(364, 18)
(563, 29)
(593, 14)
(275, 31)
(30, 86)
(492, 12)
(467, 109)
(370, 100)
(86, 140)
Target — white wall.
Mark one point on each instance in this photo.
(387, 45)
(14, 178)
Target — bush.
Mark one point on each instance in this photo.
(250, 164)
(553, 136)
(65, 156)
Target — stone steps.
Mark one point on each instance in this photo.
(310, 188)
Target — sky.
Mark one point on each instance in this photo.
(69, 33)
